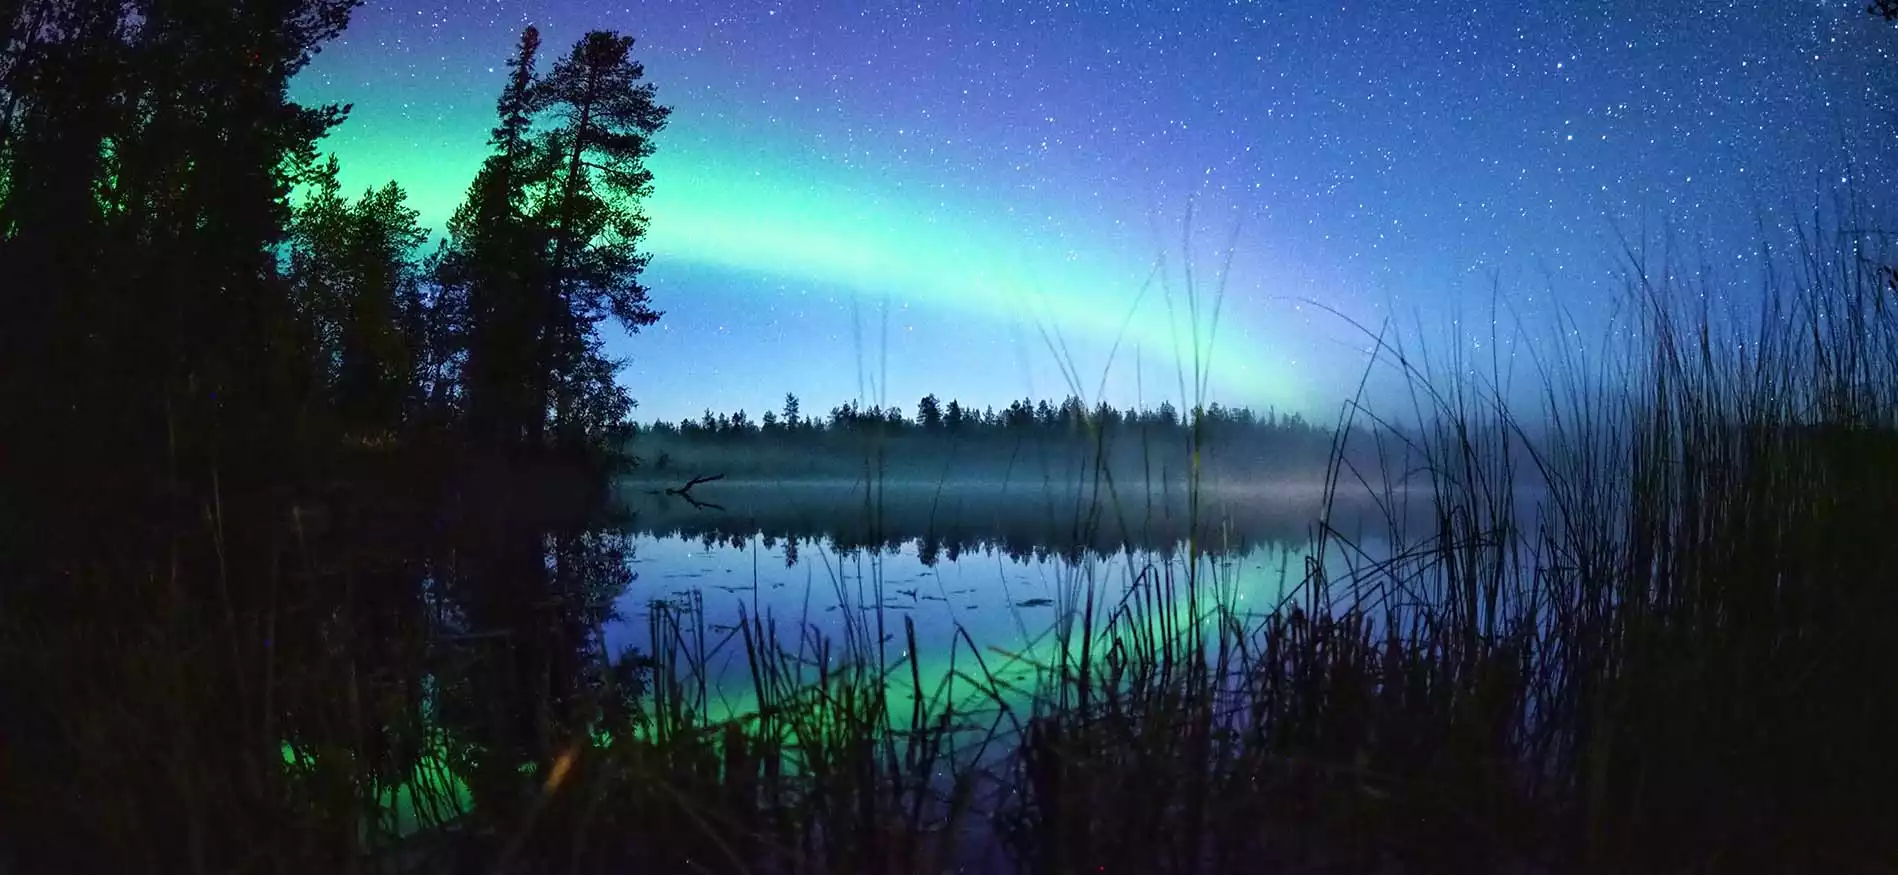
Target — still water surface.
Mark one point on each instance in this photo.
(973, 568)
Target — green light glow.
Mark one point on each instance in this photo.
(734, 204)
(943, 667)
(982, 262)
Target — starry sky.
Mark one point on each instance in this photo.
(989, 200)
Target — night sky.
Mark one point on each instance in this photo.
(877, 200)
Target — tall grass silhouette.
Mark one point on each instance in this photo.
(1640, 626)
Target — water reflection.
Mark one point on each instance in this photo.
(1019, 520)
(1002, 569)
(518, 663)
(512, 630)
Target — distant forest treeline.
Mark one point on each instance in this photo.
(1028, 439)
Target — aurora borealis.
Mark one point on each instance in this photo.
(879, 200)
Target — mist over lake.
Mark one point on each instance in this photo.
(1002, 562)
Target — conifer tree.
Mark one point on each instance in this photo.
(360, 299)
(546, 246)
(492, 264)
(606, 118)
(793, 412)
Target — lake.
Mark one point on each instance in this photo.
(1000, 570)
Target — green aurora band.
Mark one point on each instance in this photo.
(737, 204)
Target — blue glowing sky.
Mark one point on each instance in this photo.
(877, 200)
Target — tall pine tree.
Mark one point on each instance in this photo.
(546, 247)
(360, 299)
(493, 264)
(607, 116)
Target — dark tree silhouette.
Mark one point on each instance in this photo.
(793, 412)
(238, 437)
(158, 392)
(1039, 438)
(358, 287)
(492, 267)
(144, 267)
(546, 246)
(606, 117)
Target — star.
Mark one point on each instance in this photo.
(1012, 168)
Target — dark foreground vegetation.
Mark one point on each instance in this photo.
(306, 552)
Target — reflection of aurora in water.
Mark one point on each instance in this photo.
(864, 596)
(1003, 574)
(1015, 613)
(994, 600)
(1006, 570)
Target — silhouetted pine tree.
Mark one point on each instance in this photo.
(542, 250)
(492, 266)
(793, 412)
(378, 387)
(607, 116)
(546, 246)
(360, 297)
(929, 412)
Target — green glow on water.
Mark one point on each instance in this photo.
(434, 792)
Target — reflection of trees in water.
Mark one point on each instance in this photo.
(483, 632)
(947, 525)
(521, 671)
